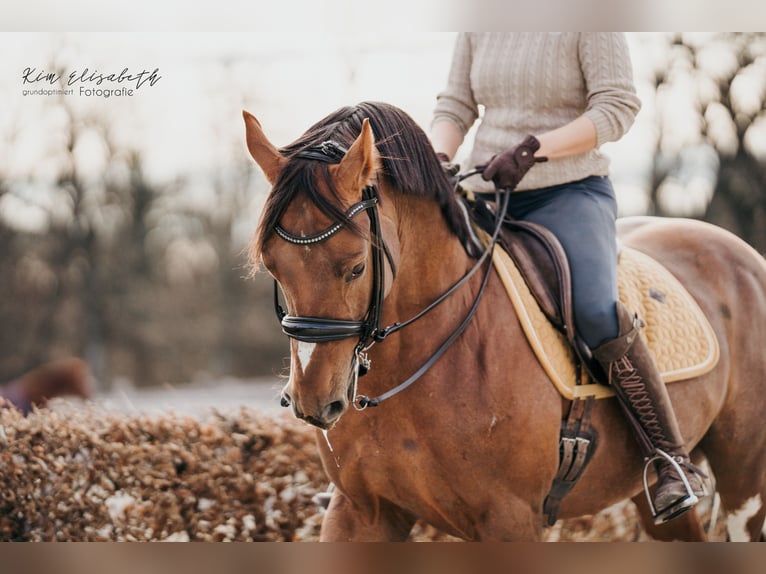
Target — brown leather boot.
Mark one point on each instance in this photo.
(636, 381)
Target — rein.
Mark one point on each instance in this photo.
(369, 330)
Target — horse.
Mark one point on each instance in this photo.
(69, 376)
(374, 256)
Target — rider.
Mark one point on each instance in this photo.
(553, 99)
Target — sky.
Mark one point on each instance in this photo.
(287, 81)
(188, 122)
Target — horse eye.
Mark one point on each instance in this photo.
(356, 272)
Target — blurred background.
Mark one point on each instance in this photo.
(124, 221)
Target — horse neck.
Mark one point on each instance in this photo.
(432, 258)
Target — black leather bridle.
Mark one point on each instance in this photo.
(322, 330)
(369, 330)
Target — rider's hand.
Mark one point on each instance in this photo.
(450, 169)
(507, 168)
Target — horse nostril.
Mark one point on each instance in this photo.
(285, 401)
(334, 409)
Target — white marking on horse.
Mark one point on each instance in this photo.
(736, 522)
(305, 350)
(307, 247)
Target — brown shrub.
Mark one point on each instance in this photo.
(84, 474)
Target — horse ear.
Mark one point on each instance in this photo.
(263, 151)
(357, 169)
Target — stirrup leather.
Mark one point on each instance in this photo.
(682, 504)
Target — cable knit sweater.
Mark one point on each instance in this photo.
(531, 83)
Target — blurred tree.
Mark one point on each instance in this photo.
(77, 279)
(128, 267)
(244, 334)
(710, 159)
(146, 280)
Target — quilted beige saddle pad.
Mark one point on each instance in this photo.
(678, 333)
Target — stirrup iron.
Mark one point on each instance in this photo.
(682, 504)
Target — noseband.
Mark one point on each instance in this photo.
(368, 331)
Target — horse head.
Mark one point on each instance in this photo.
(315, 238)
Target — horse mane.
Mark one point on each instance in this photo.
(408, 162)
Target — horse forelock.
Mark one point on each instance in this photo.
(299, 177)
(408, 164)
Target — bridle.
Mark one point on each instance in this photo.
(322, 330)
(369, 330)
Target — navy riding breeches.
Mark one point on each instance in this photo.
(582, 216)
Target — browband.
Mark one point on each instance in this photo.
(330, 231)
(329, 151)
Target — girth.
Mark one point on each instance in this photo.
(577, 443)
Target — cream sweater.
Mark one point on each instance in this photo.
(531, 83)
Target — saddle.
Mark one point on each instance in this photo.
(533, 267)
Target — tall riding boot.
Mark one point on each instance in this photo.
(641, 392)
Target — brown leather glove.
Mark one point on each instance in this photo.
(507, 168)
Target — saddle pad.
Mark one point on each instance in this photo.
(678, 333)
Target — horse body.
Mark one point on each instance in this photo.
(472, 447)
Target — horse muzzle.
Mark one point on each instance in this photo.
(324, 415)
